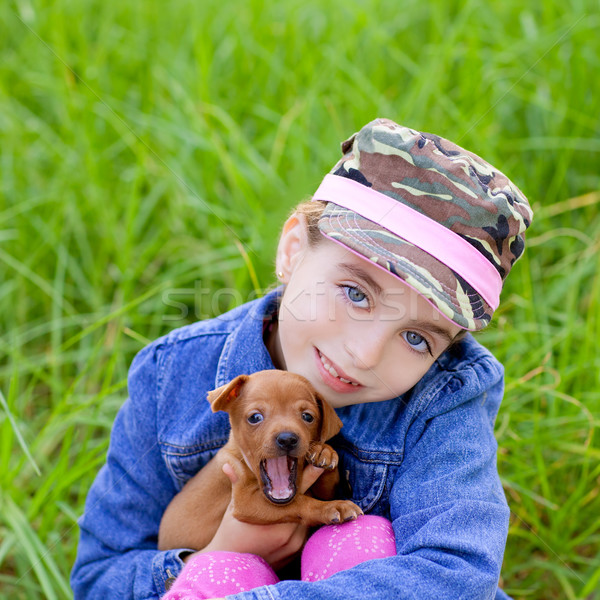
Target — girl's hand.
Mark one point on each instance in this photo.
(277, 544)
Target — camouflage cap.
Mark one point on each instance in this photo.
(433, 214)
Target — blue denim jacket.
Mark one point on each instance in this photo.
(426, 460)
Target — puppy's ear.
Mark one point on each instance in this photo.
(221, 397)
(330, 422)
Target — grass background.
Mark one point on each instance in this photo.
(149, 151)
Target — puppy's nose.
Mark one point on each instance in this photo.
(287, 440)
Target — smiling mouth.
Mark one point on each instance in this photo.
(279, 478)
(331, 370)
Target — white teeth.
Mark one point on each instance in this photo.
(333, 372)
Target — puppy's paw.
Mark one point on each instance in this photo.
(341, 511)
(322, 455)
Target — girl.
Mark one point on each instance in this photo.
(402, 251)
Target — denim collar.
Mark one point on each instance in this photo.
(245, 351)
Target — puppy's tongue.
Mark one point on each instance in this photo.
(279, 474)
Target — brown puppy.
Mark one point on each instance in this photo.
(278, 425)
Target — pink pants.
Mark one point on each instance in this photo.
(329, 550)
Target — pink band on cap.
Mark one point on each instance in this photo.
(421, 231)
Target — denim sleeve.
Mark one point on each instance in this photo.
(448, 510)
(117, 554)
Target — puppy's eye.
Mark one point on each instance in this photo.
(255, 418)
(307, 417)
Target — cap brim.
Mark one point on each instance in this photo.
(446, 291)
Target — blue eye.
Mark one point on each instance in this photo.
(417, 342)
(255, 418)
(356, 296)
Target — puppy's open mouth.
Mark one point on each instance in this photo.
(279, 478)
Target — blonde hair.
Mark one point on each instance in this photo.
(311, 211)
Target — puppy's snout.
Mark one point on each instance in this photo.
(287, 440)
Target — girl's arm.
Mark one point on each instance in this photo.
(117, 548)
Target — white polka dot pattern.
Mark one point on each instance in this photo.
(335, 548)
(217, 574)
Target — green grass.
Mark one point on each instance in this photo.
(150, 150)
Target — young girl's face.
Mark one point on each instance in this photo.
(355, 331)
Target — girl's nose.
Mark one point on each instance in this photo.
(367, 350)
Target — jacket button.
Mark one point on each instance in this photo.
(169, 583)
